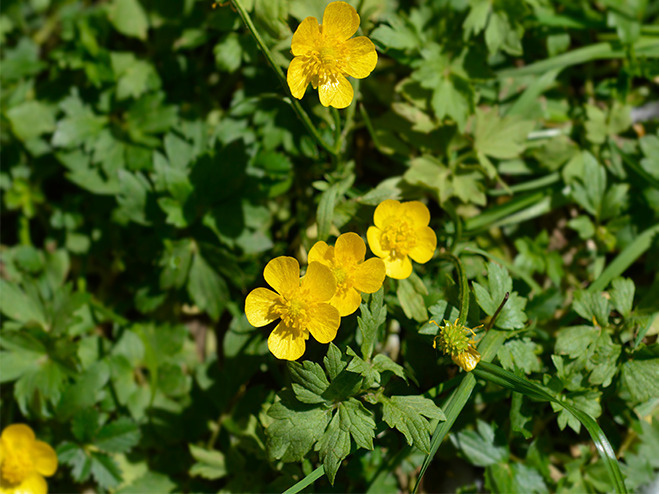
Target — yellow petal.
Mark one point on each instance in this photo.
(399, 268)
(283, 274)
(307, 37)
(322, 253)
(350, 249)
(416, 212)
(324, 321)
(286, 343)
(468, 359)
(346, 302)
(340, 21)
(373, 235)
(361, 57)
(385, 212)
(335, 91)
(369, 275)
(44, 458)
(426, 242)
(259, 306)
(318, 283)
(34, 484)
(298, 76)
(17, 436)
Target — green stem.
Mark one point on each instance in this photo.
(297, 107)
(463, 283)
(338, 142)
(24, 230)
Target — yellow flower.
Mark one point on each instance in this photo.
(401, 230)
(24, 461)
(324, 55)
(454, 340)
(300, 303)
(353, 275)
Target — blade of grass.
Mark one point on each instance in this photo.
(625, 259)
(306, 481)
(488, 348)
(496, 374)
(644, 46)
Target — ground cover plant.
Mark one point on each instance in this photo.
(301, 245)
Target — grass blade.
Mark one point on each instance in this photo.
(625, 259)
(488, 348)
(495, 374)
(306, 481)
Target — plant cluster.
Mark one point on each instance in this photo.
(156, 155)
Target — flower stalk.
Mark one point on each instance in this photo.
(297, 107)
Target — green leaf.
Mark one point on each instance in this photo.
(640, 379)
(372, 317)
(129, 18)
(498, 137)
(622, 295)
(207, 288)
(84, 393)
(592, 306)
(382, 363)
(520, 354)
(105, 470)
(119, 436)
(85, 425)
(80, 126)
(20, 306)
(410, 414)
(31, 119)
(134, 77)
(294, 430)
(351, 419)
(483, 447)
(512, 316)
(411, 301)
(334, 445)
(132, 197)
(575, 340)
(77, 458)
(149, 482)
(308, 381)
(209, 464)
(228, 53)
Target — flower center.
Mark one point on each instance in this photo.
(398, 238)
(17, 465)
(294, 312)
(343, 281)
(326, 61)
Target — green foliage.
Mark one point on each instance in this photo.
(153, 164)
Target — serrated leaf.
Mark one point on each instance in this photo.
(119, 436)
(31, 119)
(309, 381)
(85, 425)
(512, 316)
(334, 446)
(294, 430)
(209, 464)
(371, 376)
(76, 457)
(592, 306)
(500, 137)
(483, 447)
(333, 361)
(382, 363)
(520, 354)
(372, 317)
(622, 295)
(411, 301)
(640, 378)
(105, 470)
(84, 393)
(408, 415)
(19, 305)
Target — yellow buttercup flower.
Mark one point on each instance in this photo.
(300, 303)
(454, 340)
(325, 54)
(401, 230)
(353, 274)
(24, 461)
